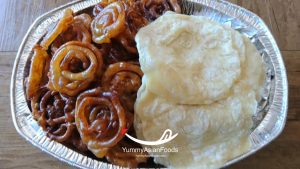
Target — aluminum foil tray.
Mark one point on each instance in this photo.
(272, 110)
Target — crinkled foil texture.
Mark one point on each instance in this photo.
(272, 109)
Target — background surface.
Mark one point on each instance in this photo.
(282, 17)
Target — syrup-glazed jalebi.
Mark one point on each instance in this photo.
(61, 26)
(116, 52)
(134, 21)
(87, 61)
(125, 79)
(54, 113)
(109, 23)
(100, 119)
(38, 70)
(77, 31)
(152, 9)
(84, 77)
(101, 5)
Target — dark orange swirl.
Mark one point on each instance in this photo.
(109, 23)
(73, 67)
(54, 114)
(125, 79)
(101, 5)
(152, 9)
(84, 19)
(134, 21)
(100, 118)
(77, 31)
(122, 77)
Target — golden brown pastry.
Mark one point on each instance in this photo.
(152, 9)
(54, 114)
(77, 31)
(109, 23)
(61, 26)
(134, 21)
(38, 69)
(101, 5)
(100, 118)
(88, 65)
(125, 79)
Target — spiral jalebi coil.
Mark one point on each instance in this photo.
(54, 113)
(125, 79)
(134, 21)
(100, 119)
(152, 9)
(73, 67)
(101, 5)
(76, 31)
(109, 23)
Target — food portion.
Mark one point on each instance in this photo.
(201, 80)
(134, 66)
(109, 23)
(207, 54)
(62, 76)
(84, 76)
(100, 118)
